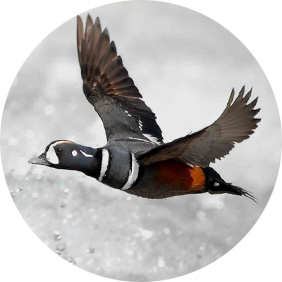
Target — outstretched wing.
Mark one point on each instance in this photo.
(201, 148)
(109, 88)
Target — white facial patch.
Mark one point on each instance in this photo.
(51, 156)
(133, 174)
(74, 153)
(86, 155)
(105, 163)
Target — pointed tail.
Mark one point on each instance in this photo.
(216, 185)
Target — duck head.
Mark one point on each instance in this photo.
(64, 154)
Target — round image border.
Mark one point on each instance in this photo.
(241, 243)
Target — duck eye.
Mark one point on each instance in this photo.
(59, 150)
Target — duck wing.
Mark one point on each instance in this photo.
(236, 123)
(109, 88)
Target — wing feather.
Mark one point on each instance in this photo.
(236, 123)
(108, 87)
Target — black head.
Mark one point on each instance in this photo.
(63, 154)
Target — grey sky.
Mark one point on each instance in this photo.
(185, 66)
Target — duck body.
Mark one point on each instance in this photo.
(135, 159)
(118, 167)
(156, 181)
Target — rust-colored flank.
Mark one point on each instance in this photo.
(180, 176)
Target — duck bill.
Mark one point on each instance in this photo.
(40, 160)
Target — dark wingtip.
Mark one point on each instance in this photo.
(89, 23)
(253, 103)
(242, 91)
(97, 22)
(113, 46)
(79, 20)
(247, 96)
(231, 98)
(106, 31)
(256, 111)
(250, 92)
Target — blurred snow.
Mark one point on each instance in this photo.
(185, 65)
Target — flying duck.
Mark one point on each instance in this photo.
(135, 158)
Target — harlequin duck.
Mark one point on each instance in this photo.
(135, 159)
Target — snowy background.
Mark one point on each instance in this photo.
(185, 65)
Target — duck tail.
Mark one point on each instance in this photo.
(216, 185)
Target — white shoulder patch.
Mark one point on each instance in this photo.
(133, 174)
(86, 155)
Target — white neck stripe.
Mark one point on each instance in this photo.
(133, 174)
(104, 164)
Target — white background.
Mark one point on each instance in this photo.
(256, 24)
